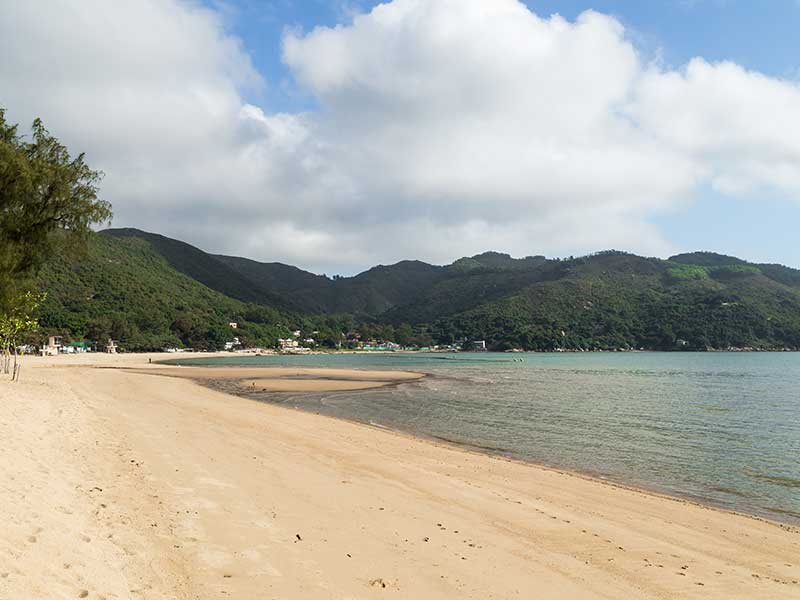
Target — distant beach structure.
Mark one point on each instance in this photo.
(53, 346)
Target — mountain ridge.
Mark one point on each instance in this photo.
(606, 300)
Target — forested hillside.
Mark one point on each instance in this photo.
(126, 290)
(150, 291)
(616, 300)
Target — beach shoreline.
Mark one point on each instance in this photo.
(225, 465)
(276, 397)
(318, 380)
(272, 397)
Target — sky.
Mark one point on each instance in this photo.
(336, 135)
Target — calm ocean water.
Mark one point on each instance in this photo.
(721, 428)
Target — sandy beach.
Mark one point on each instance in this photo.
(135, 482)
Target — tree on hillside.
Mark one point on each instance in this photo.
(48, 203)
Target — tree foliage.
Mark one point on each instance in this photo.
(48, 203)
(16, 322)
(19, 320)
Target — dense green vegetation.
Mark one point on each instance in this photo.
(149, 292)
(681, 271)
(126, 290)
(636, 303)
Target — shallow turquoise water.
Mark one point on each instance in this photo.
(722, 428)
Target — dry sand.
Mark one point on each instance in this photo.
(121, 485)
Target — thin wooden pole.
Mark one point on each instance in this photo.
(15, 374)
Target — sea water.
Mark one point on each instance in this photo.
(719, 428)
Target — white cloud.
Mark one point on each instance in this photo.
(742, 127)
(443, 128)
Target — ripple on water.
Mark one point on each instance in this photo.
(789, 482)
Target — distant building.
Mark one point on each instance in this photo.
(53, 346)
(353, 339)
(479, 345)
(233, 325)
(381, 346)
(288, 344)
(292, 346)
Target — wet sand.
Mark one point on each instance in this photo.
(117, 484)
(285, 379)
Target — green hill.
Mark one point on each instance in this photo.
(495, 261)
(369, 293)
(616, 300)
(149, 291)
(706, 259)
(127, 290)
(305, 291)
(204, 268)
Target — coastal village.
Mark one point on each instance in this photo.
(56, 345)
(295, 343)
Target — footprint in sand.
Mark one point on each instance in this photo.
(383, 583)
(83, 593)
